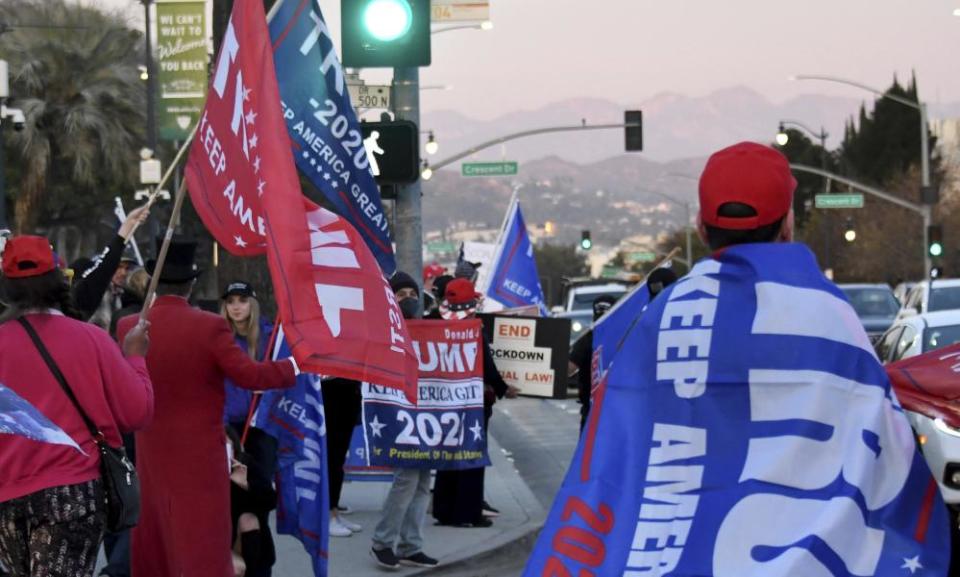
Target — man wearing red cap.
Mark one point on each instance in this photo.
(746, 196)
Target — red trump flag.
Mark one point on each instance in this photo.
(339, 314)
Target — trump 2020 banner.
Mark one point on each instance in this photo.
(328, 146)
(744, 428)
(444, 430)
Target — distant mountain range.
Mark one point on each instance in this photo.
(675, 126)
(584, 180)
(615, 198)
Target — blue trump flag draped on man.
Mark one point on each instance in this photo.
(328, 146)
(743, 427)
(295, 417)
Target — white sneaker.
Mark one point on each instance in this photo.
(337, 528)
(349, 524)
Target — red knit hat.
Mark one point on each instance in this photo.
(26, 256)
(751, 174)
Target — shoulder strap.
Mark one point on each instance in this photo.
(97, 435)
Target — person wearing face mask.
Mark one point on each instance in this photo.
(405, 507)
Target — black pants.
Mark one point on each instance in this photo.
(59, 529)
(341, 407)
(458, 495)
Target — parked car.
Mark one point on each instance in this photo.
(911, 336)
(939, 442)
(931, 296)
(579, 295)
(875, 304)
(580, 322)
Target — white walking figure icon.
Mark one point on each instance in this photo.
(373, 149)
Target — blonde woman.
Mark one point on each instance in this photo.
(239, 305)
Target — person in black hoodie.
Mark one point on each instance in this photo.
(91, 282)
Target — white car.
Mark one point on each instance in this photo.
(581, 296)
(931, 296)
(939, 442)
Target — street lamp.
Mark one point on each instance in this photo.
(432, 145)
(956, 11)
(850, 234)
(427, 172)
(783, 138)
(918, 105)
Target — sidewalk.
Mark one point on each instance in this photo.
(513, 532)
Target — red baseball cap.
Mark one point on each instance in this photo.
(26, 256)
(748, 173)
(460, 291)
(433, 270)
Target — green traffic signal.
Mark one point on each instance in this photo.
(385, 33)
(387, 20)
(586, 243)
(935, 240)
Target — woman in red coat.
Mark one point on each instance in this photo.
(184, 529)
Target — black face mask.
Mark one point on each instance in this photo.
(410, 308)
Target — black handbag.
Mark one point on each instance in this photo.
(121, 487)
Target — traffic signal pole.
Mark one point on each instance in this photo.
(408, 232)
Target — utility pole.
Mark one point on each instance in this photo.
(408, 233)
(151, 78)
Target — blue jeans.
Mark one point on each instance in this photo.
(403, 513)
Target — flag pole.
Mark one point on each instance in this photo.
(173, 165)
(511, 208)
(162, 257)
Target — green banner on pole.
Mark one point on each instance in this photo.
(182, 56)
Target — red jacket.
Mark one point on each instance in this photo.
(115, 392)
(184, 528)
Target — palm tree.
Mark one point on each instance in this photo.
(74, 73)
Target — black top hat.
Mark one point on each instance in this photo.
(179, 266)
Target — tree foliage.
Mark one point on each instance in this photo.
(883, 144)
(556, 262)
(79, 87)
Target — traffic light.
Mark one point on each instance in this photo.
(585, 242)
(393, 149)
(935, 240)
(385, 33)
(634, 130)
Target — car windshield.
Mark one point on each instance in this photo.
(872, 302)
(944, 298)
(584, 301)
(939, 337)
